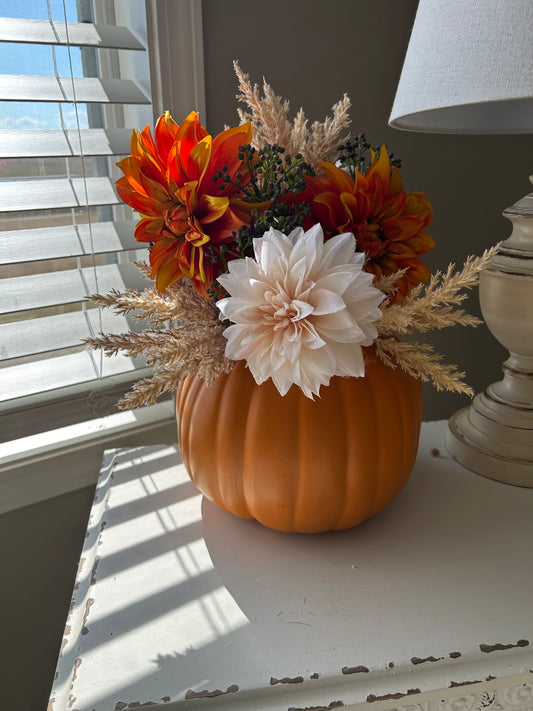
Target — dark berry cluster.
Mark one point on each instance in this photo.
(281, 216)
(268, 174)
(355, 155)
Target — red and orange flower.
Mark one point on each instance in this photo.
(170, 180)
(388, 223)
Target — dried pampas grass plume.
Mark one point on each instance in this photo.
(269, 116)
(183, 337)
(429, 307)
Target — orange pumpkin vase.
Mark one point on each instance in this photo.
(301, 465)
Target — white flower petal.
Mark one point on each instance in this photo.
(325, 301)
(316, 368)
(362, 283)
(244, 278)
(349, 359)
(310, 336)
(239, 345)
(340, 249)
(300, 310)
(336, 280)
(238, 309)
(307, 245)
(335, 321)
(271, 249)
(297, 275)
(355, 334)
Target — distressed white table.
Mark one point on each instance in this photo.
(180, 605)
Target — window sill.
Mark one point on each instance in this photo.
(51, 463)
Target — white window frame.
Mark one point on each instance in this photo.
(67, 457)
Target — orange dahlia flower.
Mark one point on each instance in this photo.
(388, 223)
(168, 180)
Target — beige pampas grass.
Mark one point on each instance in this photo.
(429, 307)
(269, 116)
(183, 337)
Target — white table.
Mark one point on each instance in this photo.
(180, 605)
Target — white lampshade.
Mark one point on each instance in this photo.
(468, 68)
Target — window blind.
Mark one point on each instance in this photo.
(65, 105)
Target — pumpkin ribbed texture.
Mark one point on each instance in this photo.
(296, 464)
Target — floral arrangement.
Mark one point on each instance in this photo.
(288, 246)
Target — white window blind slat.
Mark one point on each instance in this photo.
(53, 333)
(56, 193)
(21, 246)
(85, 90)
(78, 34)
(36, 291)
(20, 381)
(51, 143)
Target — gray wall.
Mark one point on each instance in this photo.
(311, 52)
(40, 546)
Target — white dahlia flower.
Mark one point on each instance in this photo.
(301, 310)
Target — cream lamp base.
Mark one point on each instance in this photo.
(494, 436)
(494, 448)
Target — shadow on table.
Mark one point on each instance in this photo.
(346, 598)
(369, 590)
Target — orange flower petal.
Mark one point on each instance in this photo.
(166, 130)
(416, 203)
(243, 131)
(402, 228)
(167, 274)
(139, 202)
(195, 235)
(331, 211)
(387, 222)
(149, 230)
(157, 193)
(226, 152)
(221, 231)
(190, 133)
(418, 273)
(400, 251)
(342, 182)
(214, 207)
(243, 210)
(421, 242)
(380, 168)
(131, 167)
(199, 158)
(396, 182)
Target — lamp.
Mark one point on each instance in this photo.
(469, 69)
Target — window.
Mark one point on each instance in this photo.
(75, 79)
(66, 105)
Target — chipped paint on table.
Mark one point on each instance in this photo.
(182, 606)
